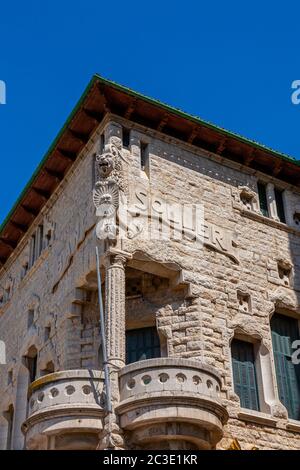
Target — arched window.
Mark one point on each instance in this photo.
(31, 363)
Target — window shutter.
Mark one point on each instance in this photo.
(142, 344)
(284, 332)
(244, 374)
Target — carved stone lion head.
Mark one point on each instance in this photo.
(105, 163)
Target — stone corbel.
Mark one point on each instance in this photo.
(245, 199)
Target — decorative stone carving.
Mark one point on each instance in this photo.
(106, 201)
(110, 183)
(105, 164)
(108, 166)
(245, 198)
(285, 269)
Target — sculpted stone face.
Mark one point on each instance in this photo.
(105, 164)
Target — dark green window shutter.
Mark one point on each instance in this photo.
(279, 205)
(262, 196)
(244, 374)
(284, 332)
(142, 344)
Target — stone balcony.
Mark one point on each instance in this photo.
(65, 410)
(171, 403)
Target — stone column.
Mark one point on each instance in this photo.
(271, 201)
(289, 210)
(112, 436)
(115, 310)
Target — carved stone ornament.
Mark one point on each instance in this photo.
(106, 201)
(245, 198)
(105, 164)
(108, 166)
(110, 183)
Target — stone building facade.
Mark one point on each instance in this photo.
(198, 335)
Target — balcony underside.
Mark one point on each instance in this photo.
(165, 403)
(170, 400)
(65, 411)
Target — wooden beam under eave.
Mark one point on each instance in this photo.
(130, 109)
(9, 243)
(30, 211)
(55, 175)
(163, 122)
(106, 105)
(95, 115)
(221, 147)
(44, 195)
(6, 245)
(277, 168)
(82, 138)
(67, 154)
(248, 158)
(20, 227)
(193, 135)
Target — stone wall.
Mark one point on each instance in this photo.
(199, 317)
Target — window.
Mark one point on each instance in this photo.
(32, 251)
(142, 344)
(279, 204)
(144, 155)
(24, 269)
(297, 218)
(31, 363)
(7, 294)
(9, 415)
(39, 240)
(244, 374)
(284, 332)
(10, 377)
(262, 196)
(244, 301)
(30, 318)
(47, 333)
(126, 138)
(102, 143)
(36, 245)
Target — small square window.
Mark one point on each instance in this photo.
(30, 319)
(244, 302)
(47, 333)
(296, 218)
(9, 377)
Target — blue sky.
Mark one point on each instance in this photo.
(227, 62)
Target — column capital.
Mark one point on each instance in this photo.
(115, 257)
